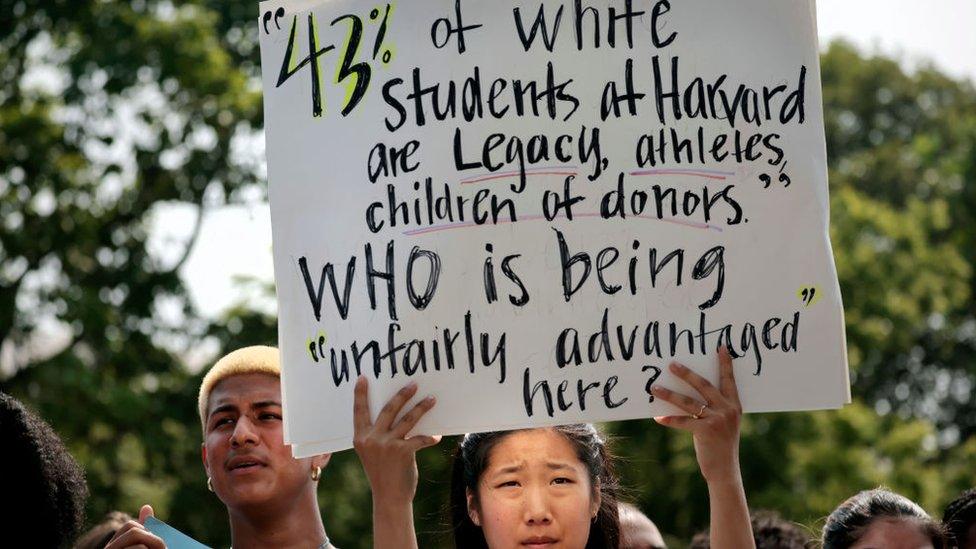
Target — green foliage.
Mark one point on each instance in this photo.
(78, 187)
(109, 110)
(902, 154)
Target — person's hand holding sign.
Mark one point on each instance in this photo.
(390, 461)
(135, 534)
(713, 419)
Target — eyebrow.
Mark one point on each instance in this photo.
(254, 406)
(510, 469)
(552, 466)
(223, 408)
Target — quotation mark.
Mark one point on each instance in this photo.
(808, 295)
(316, 347)
(767, 180)
(278, 14)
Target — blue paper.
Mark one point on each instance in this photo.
(173, 538)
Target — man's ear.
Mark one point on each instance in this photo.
(472, 507)
(203, 456)
(597, 499)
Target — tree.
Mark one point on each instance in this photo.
(109, 110)
(903, 197)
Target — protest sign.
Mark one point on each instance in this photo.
(532, 208)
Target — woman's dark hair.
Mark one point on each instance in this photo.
(48, 481)
(959, 515)
(471, 459)
(851, 519)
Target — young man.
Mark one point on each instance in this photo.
(270, 496)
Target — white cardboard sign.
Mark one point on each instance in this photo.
(531, 208)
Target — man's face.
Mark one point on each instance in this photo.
(243, 449)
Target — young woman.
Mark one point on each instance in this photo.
(879, 518)
(534, 487)
(548, 487)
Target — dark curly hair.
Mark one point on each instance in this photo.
(848, 522)
(770, 530)
(471, 459)
(959, 516)
(49, 484)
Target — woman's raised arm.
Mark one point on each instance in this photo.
(390, 462)
(713, 419)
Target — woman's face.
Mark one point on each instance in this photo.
(534, 493)
(893, 533)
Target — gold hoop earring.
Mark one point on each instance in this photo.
(210, 484)
(316, 473)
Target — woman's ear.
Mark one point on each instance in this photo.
(597, 498)
(472, 507)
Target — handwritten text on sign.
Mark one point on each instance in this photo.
(531, 208)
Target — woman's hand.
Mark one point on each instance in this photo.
(388, 457)
(713, 419)
(714, 416)
(390, 462)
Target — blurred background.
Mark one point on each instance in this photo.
(135, 248)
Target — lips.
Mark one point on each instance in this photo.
(539, 541)
(245, 463)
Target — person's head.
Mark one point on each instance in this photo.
(959, 519)
(248, 465)
(49, 485)
(880, 518)
(100, 534)
(769, 530)
(513, 487)
(637, 531)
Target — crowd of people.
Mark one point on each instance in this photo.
(552, 487)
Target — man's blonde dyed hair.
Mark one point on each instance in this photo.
(257, 359)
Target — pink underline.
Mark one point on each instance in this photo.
(528, 171)
(504, 175)
(452, 226)
(689, 170)
(679, 172)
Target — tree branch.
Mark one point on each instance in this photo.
(192, 240)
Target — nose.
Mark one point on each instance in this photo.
(244, 433)
(536, 506)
